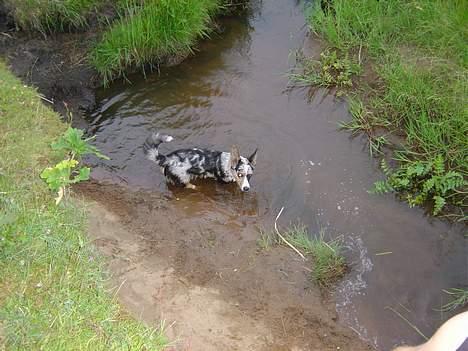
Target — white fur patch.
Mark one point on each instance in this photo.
(152, 154)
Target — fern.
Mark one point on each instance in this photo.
(381, 187)
(439, 165)
(439, 203)
(421, 182)
(385, 168)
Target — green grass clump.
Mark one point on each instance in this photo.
(150, 31)
(329, 265)
(52, 15)
(267, 240)
(459, 299)
(52, 291)
(418, 51)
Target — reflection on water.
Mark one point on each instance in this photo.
(233, 92)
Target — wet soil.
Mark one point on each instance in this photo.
(206, 277)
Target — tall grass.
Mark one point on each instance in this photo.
(53, 293)
(418, 49)
(150, 31)
(52, 15)
(437, 26)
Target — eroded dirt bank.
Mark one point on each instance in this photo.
(55, 64)
(206, 277)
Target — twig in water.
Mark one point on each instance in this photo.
(282, 237)
(383, 253)
(407, 321)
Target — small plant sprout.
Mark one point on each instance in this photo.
(68, 171)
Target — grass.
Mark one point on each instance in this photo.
(53, 293)
(52, 15)
(329, 265)
(459, 298)
(150, 31)
(417, 50)
(267, 240)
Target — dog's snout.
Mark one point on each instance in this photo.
(245, 188)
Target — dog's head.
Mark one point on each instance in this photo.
(242, 168)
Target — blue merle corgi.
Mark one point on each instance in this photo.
(182, 166)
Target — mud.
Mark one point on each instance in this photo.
(55, 64)
(207, 279)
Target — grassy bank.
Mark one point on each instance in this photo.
(49, 15)
(52, 286)
(417, 51)
(150, 32)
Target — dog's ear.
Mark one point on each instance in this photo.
(235, 156)
(253, 158)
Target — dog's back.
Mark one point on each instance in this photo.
(183, 165)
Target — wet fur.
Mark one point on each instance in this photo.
(184, 165)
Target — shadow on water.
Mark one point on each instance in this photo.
(233, 92)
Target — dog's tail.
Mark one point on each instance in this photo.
(151, 147)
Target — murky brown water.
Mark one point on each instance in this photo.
(233, 91)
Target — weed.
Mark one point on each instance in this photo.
(54, 291)
(67, 171)
(331, 70)
(150, 31)
(329, 263)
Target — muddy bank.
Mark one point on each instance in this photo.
(55, 64)
(206, 277)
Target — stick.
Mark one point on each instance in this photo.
(282, 237)
(45, 99)
(383, 253)
(407, 321)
